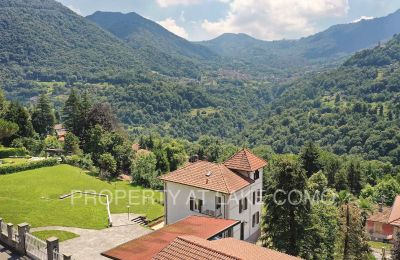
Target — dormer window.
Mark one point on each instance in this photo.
(256, 175)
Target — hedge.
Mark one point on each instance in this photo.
(8, 152)
(6, 169)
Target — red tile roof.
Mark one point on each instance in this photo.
(147, 246)
(208, 176)
(245, 160)
(394, 217)
(193, 248)
(389, 215)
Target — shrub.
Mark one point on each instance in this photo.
(27, 166)
(8, 152)
(84, 162)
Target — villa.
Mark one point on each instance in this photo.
(231, 190)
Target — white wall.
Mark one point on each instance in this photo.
(177, 202)
(179, 207)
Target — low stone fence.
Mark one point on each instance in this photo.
(18, 239)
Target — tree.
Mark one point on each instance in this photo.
(72, 114)
(43, 118)
(144, 170)
(3, 104)
(317, 182)
(7, 129)
(353, 238)
(286, 221)
(107, 165)
(19, 115)
(355, 176)
(102, 114)
(309, 158)
(71, 144)
(396, 246)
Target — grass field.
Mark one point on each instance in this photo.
(33, 197)
(379, 245)
(61, 235)
(11, 161)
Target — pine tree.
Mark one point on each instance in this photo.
(19, 115)
(354, 176)
(43, 118)
(309, 158)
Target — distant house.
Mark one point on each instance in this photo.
(232, 190)
(193, 238)
(60, 132)
(384, 223)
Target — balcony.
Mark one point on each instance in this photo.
(212, 213)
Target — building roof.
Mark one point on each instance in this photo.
(244, 160)
(148, 246)
(394, 217)
(208, 176)
(380, 216)
(193, 248)
(388, 215)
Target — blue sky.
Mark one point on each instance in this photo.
(264, 19)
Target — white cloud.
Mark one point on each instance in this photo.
(273, 19)
(363, 18)
(74, 9)
(170, 25)
(166, 3)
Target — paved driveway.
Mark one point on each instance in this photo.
(91, 243)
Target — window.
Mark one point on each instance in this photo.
(196, 204)
(256, 219)
(258, 195)
(243, 204)
(256, 175)
(218, 203)
(254, 197)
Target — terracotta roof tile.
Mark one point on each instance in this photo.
(245, 160)
(208, 176)
(193, 248)
(148, 246)
(381, 217)
(395, 213)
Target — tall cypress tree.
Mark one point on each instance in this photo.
(285, 222)
(309, 158)
(354, 176)
(72, 114)
(43, 118)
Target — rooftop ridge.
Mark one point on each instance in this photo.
(186, 239)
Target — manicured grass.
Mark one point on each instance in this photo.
(379, 245)
(61, 235)
(9, 161)
(33, 197)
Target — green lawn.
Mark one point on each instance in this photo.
(10, 161)
(61, 235)
(33, 197)
(379, 245)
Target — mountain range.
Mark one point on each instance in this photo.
(44, 40)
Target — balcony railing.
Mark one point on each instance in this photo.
(212, 213)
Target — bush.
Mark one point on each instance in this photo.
(8, 152)
(84, 162)
(27, 166)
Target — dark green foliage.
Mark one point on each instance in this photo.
(7, 169)
(355, 178)
(107, 165)
(83, 162)
(20, 116)
(310, 159)
(43, 118)
(42, 39)
(144, 171)
(102, 114)
(7, 129)
(71, 144)
(8, 152)
(73, 118)
(286, 224)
